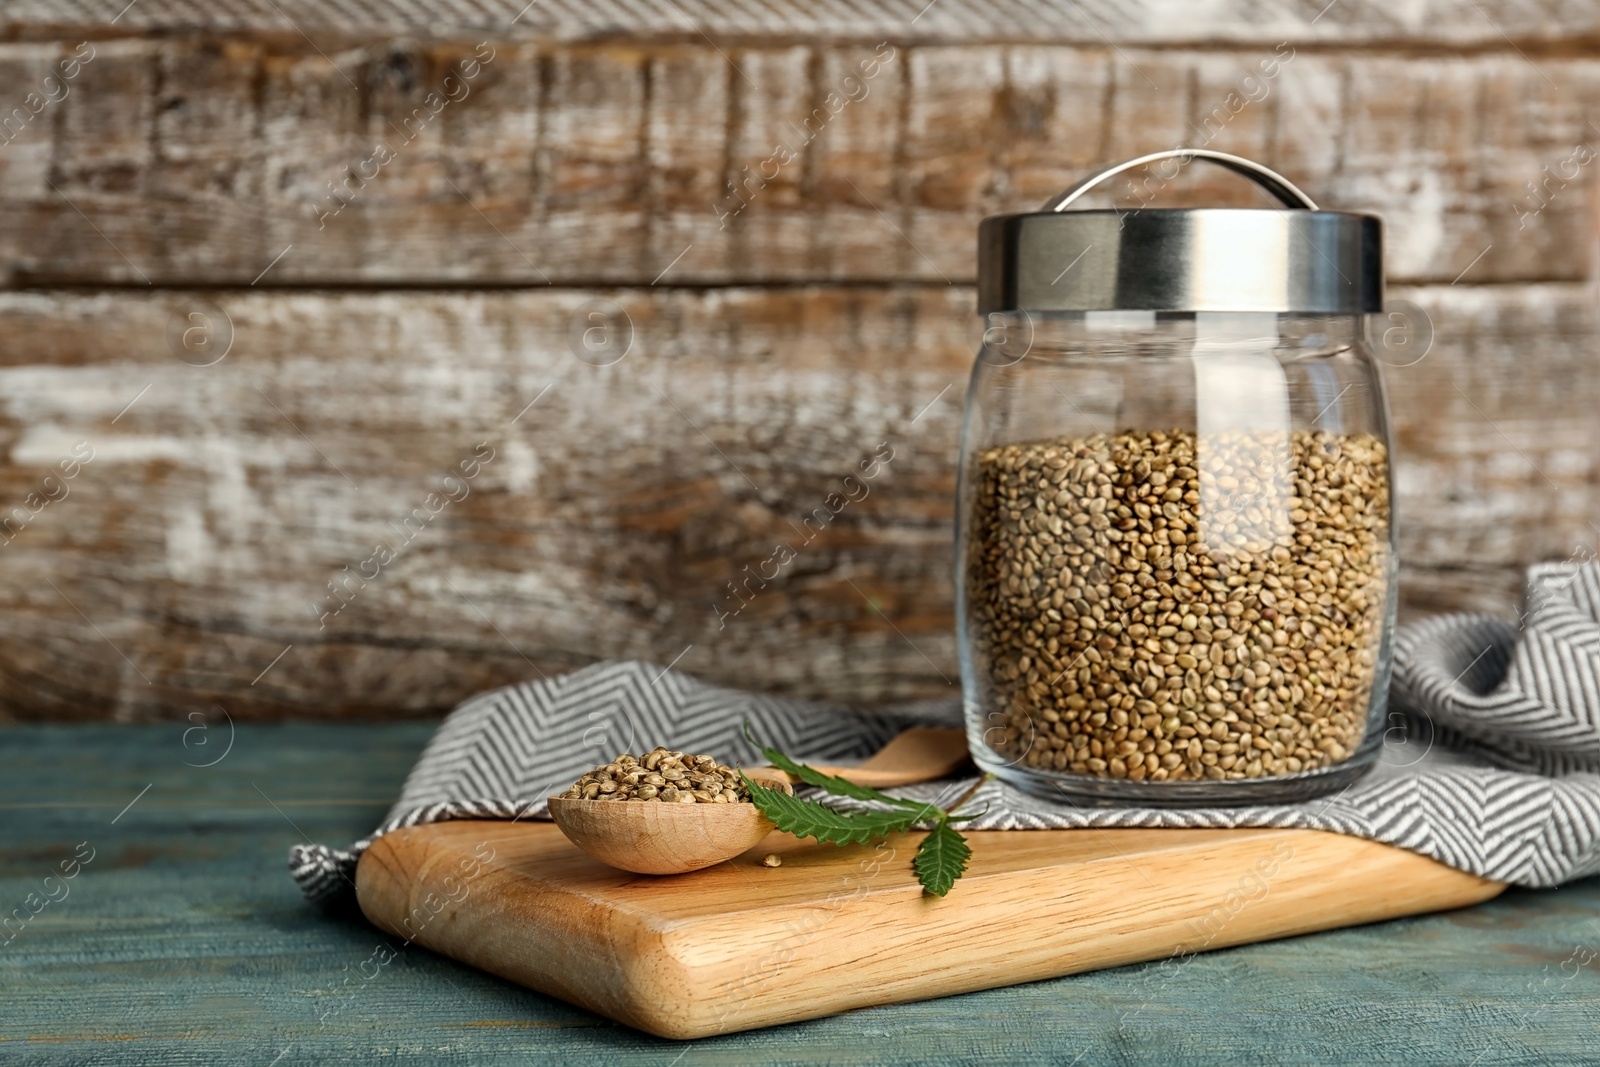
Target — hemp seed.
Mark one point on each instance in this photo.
(664, 776)
(1159, 606)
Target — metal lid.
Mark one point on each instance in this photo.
(1209, 259)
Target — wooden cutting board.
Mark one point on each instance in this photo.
(742, 945)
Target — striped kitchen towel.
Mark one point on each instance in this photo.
(1491, 764)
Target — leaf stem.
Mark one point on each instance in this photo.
(942, 855)
(970, 793)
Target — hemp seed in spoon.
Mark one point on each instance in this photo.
(662, 775)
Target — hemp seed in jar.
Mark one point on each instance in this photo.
(1155, 607)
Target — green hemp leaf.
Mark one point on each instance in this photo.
(941, 857)
(807, 818)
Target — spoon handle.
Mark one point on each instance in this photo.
(920, 754)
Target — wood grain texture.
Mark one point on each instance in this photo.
(229, 509)
(1432, 22)
(1495, 447)
(740, 945)
(207, 159)
(410, 224)
(916, 754)
(184, 941)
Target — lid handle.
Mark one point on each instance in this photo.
(1265, 177)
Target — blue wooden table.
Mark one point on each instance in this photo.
(179, 938)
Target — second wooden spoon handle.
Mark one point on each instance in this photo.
(920, 754)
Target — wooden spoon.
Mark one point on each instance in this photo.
(919, 754)
(661, 838)
(657, 838)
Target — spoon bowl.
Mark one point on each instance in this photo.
(652, 837)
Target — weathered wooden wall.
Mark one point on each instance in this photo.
(199, 160)
(176, 202)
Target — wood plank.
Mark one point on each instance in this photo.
(856, 199)
(766, 163)
(184, 942)
(27, 124)
(200, 91)
(1430, 22)
(949, 159)
(311, 137)
(739, 945)
(1056, 120)
(105, 147)
(594, 171)
(1495, 430)
(686, 151)
(197, 160)
(620, 509)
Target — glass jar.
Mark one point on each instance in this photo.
(1175, 554)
